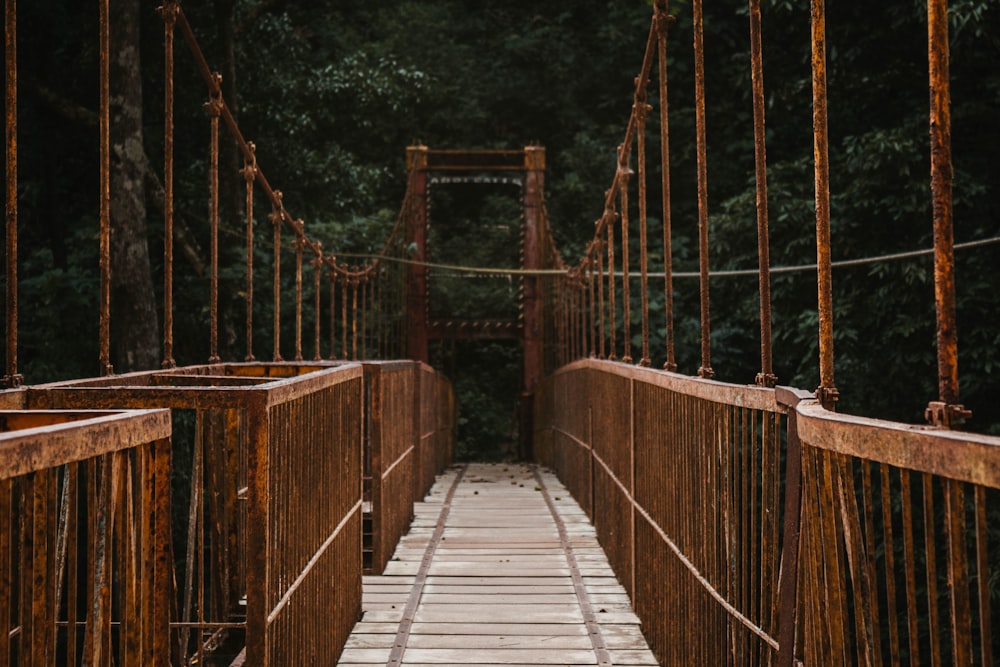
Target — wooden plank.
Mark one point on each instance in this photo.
(499, 590)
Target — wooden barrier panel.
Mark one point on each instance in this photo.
(84, 538)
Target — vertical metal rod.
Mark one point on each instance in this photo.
(333, 312)
(317, 305)
(105, 193)
(354, 318)
(641, 109)
(827, 392)
(626, 295)
(611, 282)
(665, 21)
(276, 217)
(982, 578)
(169, 13)
(766, 377)
(599, 251)
(12, 379)
(214, 110)
(343, 317)
(249, 175)
(299, 244)
(944, 241)
(590, 295)
(364, 317)
(705, 370)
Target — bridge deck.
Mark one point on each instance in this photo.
(501, 567)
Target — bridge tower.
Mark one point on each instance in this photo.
(527, 166)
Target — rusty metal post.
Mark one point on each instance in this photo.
(214, 107)
(534, 198)
(276, 219)
(599, 252)
(766, 377)
(12, 378)
(788, 579)
(827, 392)
(641, 109)
(946, 411)
(333, 309)
(169, 14)
(317, 305)
(664, 21)
(612, 344)
(705, 370)
(416, 240)
(591, 326)
(104, 120)
(624, 176)
(299, 246)
(249, 175)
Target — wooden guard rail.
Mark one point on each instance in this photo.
(694, 489)
(260, 564)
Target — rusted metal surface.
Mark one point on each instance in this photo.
(946, 411)
(12, 377)
(893, 545)
(214, 107)
(67, 478)
(827, 392)
(249, 175)
(660, 462)
(416, 237)
(766, 377)
(262, 433)
(705, 370)
(169, 14)
(407, 441)
(663, 23)
(392, 454)
(532, 307)
(104, 196)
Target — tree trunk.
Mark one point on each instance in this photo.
(135, 327)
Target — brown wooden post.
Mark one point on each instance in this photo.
(416, 241)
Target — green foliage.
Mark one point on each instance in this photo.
(332, 95)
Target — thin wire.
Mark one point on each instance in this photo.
(724, 273)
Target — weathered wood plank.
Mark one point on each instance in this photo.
(499, 590)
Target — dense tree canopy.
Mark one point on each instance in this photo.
(331, 95)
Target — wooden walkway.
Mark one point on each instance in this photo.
(501, 567)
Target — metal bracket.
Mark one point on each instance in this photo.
(827, 397)
(946, 415)
(13, 381)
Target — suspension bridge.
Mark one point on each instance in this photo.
(306, 511)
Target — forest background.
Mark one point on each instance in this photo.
(332, 93)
